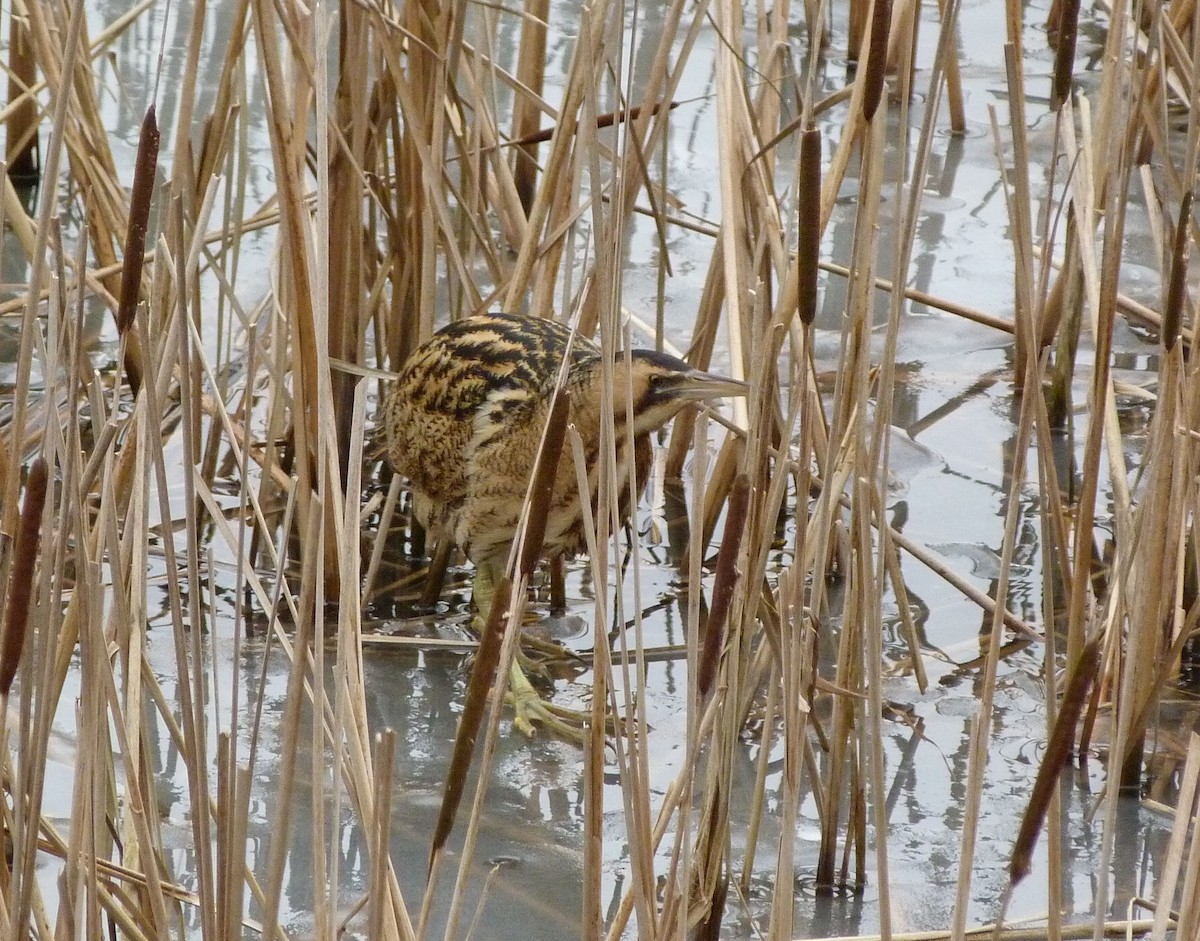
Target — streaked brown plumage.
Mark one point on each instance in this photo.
(466, 413)
(465, 417)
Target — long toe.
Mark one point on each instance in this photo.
(532, 712)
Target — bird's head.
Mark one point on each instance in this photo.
(661, 385)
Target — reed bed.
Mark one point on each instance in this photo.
(419, 173)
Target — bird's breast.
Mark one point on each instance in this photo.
(500, 470)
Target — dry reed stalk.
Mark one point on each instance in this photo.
(10, 474)
(1188, 919)
(850, 455)
(1157, 563)
(378, 888)
(591, 916)
(311, 39)
(870, 585)
(1026, 305)
(982, 722)
(188, 646)
(1051, 593)
(69, 75)
(513, 613)
(287, 150)
(288, 736)
(1082, 188)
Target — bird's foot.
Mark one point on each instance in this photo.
(532, 712)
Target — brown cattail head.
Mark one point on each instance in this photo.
(881, 23)
(808, 243)
(140, 199)
(478, 686)
(1058, 753)
(543, 482)
(723, 584)
(20, 588)
(1177, 282)
(1066, 29)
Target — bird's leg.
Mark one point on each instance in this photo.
(482, 589)
(528, 705)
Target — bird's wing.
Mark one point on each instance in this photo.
(524, 361)
(472, 378)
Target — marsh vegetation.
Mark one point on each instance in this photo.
(900, 641)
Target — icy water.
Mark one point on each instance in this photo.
(952, 449)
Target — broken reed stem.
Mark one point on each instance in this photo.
(381, 844)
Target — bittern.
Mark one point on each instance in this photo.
(464, 420)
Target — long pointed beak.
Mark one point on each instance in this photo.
(697, 386)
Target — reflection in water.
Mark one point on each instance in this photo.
(531, 831)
